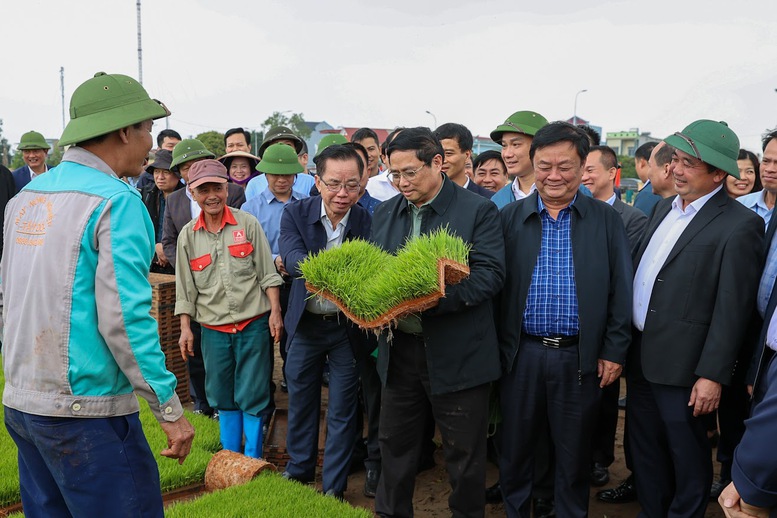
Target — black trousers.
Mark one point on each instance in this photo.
(462, 418)
(371, 390)
(669, 447)
(606, 425)
(544, 387)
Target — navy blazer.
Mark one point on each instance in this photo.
(462, 350)
(22, 177)
(603, 278)
(302, 233)
(754, 469)
(477, 189)
(703, 297)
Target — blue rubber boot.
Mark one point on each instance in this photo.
(252, 426)
(231, 429)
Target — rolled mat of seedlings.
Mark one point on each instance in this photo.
(375, 289)
(229, 468)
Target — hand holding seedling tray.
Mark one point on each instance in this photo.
(375, 289)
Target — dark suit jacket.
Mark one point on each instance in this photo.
(21, 177)
(460, 335)
(603, 278)
(703, 295)
(7, 191)
(757, 364)
(646, 199)
(302, 233)
(472, 186)
(634, 220)
(755, 458)
(178, 213)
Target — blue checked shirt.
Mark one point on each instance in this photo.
(551, 306)
(268, 210)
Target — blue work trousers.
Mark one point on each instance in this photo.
(84, 467)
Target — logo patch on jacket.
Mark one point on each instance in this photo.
(239, 236)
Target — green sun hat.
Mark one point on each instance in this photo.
(526, 122)
(32, 140)
(330, 140)
(108, 102)
(188, 150)
(279, 159)
(711, 142)
(280, 133)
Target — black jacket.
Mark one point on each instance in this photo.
(603, 278)
(460, 335)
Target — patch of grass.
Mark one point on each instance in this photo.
(171, 474)
(370, 281)
(268, 495)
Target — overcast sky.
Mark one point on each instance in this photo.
(652, 65)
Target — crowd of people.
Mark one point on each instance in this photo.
(570, 288)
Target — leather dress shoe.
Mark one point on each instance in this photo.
(717, 488)
(543, 508)
(494, 493)
(625, 492)
(371, 483)
(600, 475)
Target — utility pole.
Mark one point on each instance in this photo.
(62, 92)
(140, 49)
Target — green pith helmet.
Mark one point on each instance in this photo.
(525, 122)
(187, 150)
(711, 142)
(33, 140)
(279, 159)
(108, 102)
(280, 133)
(330, 140)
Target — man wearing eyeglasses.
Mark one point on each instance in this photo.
(316, 329)
(447, 355)
(693, 300)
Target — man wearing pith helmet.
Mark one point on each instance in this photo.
(34, 150)
(515, 135)
(280, 135)
(80, 342)
(692, 304)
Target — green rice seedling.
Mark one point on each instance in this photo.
(269, 495)
(206, 442)
(370, 281)
(9, 469)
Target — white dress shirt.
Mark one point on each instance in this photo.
(334, 238)
(518, 193)
(381, 187)
(658, 249)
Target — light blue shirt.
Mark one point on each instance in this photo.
(256, 186)
(755, 202)
(268, 210)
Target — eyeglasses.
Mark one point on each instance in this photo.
(336, 186)
(690, 143)
(409, 176)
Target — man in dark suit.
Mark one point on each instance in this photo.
(316, 329)
(646, 198)
(34, 150)
(180, 209)
(692, 304)
(447, 355)
(566, 302)
(456, 142)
